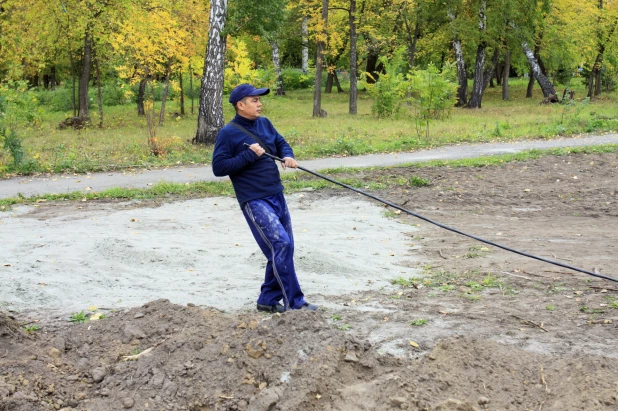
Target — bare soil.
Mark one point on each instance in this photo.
(480, 328)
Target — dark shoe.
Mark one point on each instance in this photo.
(277, 308)
(309, 307)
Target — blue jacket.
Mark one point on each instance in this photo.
(253, 177)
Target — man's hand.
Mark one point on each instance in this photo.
(289, 162)
(257, 149)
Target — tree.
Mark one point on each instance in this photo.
(462, 75)
(546, 86)
(263, 18)
(606, 27)
(319, 64)
(353, 60)
(210, 115)
(479, 67)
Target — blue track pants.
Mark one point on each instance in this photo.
(271, 226)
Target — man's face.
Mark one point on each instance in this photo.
(250, 107)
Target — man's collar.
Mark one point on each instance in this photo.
(243, 121)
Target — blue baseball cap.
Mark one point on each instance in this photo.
(244, 90)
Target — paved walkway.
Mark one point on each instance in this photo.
(65, 183)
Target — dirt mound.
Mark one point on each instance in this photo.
(8, 326)
(166, 356)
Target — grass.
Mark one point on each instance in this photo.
(30, 329)
(79, 317)
(471, 283)
(123, 141)
(418, 322)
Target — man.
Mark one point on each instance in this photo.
(259, 191)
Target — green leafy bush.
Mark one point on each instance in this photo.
(13, 145)
(295, 79)
(388, 91)
(432, 92)
(18, 106)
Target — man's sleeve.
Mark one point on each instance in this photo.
(224, 163)
(283, 148)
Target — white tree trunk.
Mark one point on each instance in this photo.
(546, 86)
(276, 62)
(210, 115)
(462, 76)
(305, 44)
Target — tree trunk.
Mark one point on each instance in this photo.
(490, 71)
(99, 93)
(277, 63)
(182, 95)
(168, 72)
(210, 116)
(305, 44)
(479, 80)
(498, 73)
(52, 78)
(546, 86)
(317, 93)
(372, 62)
(329, 82)
(192, 91)
(477, 87)
(336, 78)
(46, 81)
(530, 84)
(84, 78)
(462, 76)
(353, 62)
(141, 92)
(412, 40)
(505, 75)
(73, 100)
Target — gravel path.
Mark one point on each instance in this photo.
(64, 183)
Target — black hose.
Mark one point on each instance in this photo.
(581, 270)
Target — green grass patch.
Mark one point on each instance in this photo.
(122, 142)
(418, 322)
(79, 317)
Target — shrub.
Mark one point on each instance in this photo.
(388, 90)
(18, 106)
(295, 79)
(12, 143)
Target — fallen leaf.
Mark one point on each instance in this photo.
(88, 188)
(397, 211)
(96, 316)
(318, 396)
(413, 344)
(7, 264)
(92, 308)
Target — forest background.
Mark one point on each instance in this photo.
(91, 85)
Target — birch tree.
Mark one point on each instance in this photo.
(479, 67)
(210, 112)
